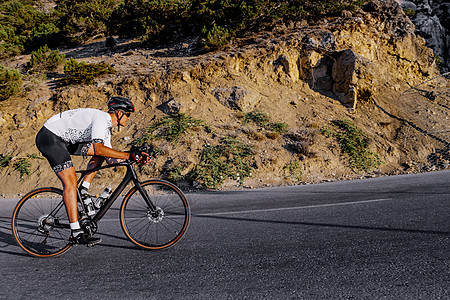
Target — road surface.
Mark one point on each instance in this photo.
(381, 238)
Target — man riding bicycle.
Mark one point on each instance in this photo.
(84, 131)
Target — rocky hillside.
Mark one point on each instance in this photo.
(432, 21)
(313, 77)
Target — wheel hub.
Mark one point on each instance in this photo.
(46, 223)
(156, 216)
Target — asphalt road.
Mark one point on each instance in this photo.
(381, 238)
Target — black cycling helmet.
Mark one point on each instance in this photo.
(116, 103)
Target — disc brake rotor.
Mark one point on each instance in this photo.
(46, 223)
(156, 216)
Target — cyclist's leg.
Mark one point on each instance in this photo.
(95, 162)
(57, 153)
(68, 178)
(54, 149)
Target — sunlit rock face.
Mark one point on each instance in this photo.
(432, 21)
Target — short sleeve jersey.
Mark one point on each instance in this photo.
(82, 125)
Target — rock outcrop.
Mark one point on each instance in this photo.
(432, 21)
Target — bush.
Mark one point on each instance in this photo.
(171, 128)
(10, 82)
(293, 171)
(21, 164)
(222, 19)
(82, 20)
(10, 45)
(262, 119)
(44, 60)
(216, 37)
(5, 159)
(302, 140)
(23, 26)
(229, 159)
(42, 34)
(355, 144)
(174, 174)
(153, 21)
(82, 72)
(9, 50)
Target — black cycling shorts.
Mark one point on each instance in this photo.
(57, 151)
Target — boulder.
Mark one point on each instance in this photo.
(170, 107)
(237, 97)
(354, 77)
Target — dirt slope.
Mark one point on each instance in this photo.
(306, 75)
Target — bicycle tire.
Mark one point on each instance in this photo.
(155, 232)
(39, 223)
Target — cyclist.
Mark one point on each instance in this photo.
(84, 131)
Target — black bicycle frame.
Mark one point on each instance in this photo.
(129, 176)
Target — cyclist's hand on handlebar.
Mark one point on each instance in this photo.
(140, 157)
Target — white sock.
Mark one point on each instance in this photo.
(86, 185)
(75, 226)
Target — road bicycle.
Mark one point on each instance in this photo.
(154, 214)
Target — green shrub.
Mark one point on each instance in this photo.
(9, 50)
(11, 45)
(23, 26)
(42, 34)
(10, 82)
(82, 72)
(171, 128)
(259, 118)
(175, 174)
(229, 159)
(355, 144)
(5, 160)
(22, 165)
(44, 59)
(293, 171)
(222, 19)
(278, 127)
(152, 20)
(410, 12)
(262, 120)
(82, 20)
(215, 38)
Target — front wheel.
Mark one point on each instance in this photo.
(40, 224)
(162, 227)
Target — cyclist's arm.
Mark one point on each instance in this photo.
(101, 152)
(98, 149)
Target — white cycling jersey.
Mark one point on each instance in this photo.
(82, 125)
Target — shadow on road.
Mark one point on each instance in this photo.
(6, 237)
(404, 230)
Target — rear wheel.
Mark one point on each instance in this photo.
(40, 224)
(157, 229)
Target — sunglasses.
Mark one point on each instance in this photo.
(128, 114)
